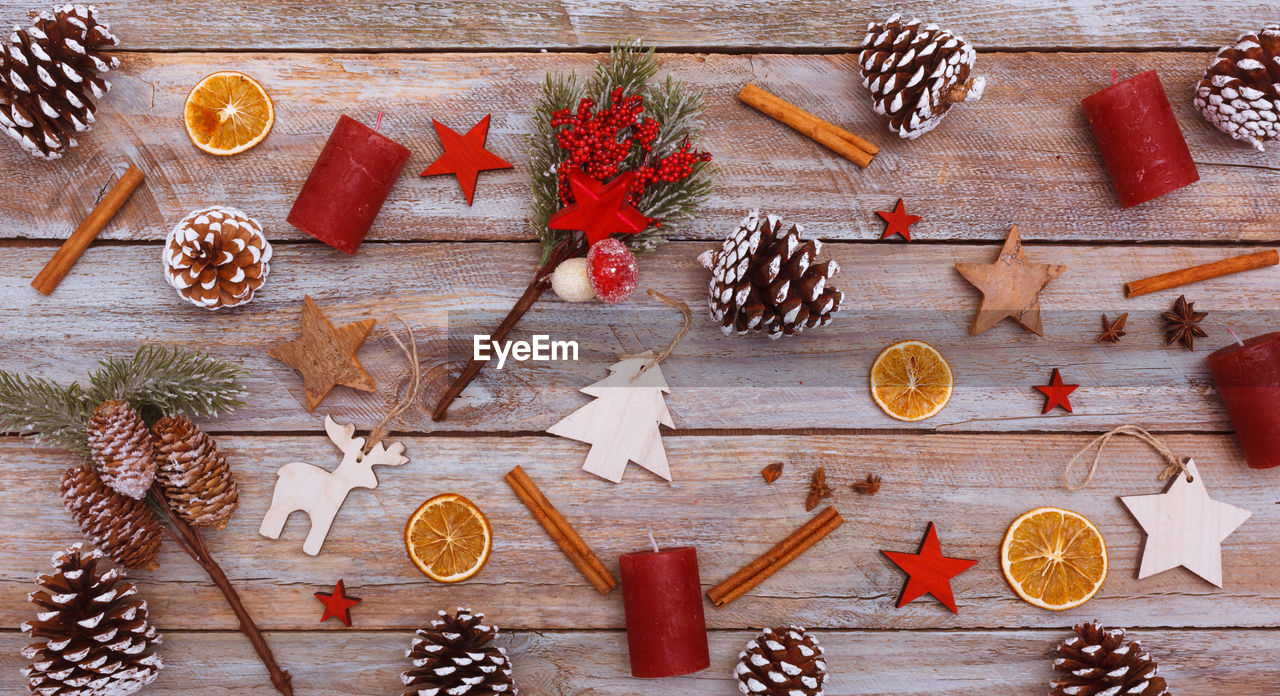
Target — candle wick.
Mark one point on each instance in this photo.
(653, 541)
(1114, 78)
(378, 126)
(1233, 335)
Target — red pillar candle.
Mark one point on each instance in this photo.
(1248, 378)
(666, 629)
(1140, 141)
(348, 185)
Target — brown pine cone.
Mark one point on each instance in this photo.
(94, 636)
(915, 74)
(124, 528)
(784, 661)
(121, 446)
(1240, 92)
(1097, 662)
(764, 279)
(194, 475)
(49, 78)
(455, 657)
(217, 257)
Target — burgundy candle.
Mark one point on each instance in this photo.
(1248, 378)
(348, 185)
(662, 596)
(1140, 141)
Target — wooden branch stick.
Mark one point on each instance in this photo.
(776, 558)
(561, 531)
(1195, 274)
(70, 251)
(851, 146)
(191, 541)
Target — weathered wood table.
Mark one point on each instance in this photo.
(1021, 155)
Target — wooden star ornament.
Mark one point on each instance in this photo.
(465, 156)
(1184, 527)
(599, 210)
(897, 221)
(1056, 393)
(337, 604)
(928, 571)
(1010, 287)
(325, 356)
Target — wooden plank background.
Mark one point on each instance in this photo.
(1021, 155)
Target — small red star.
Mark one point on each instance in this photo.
(1055, 393)
(465, 156)
(599, 210)
(929, 572)
(337, 604)
(898, 222)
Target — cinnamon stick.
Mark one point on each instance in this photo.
(83, 236)
(561, 531)
(776, 558)
(851, 146)
(1195, 274)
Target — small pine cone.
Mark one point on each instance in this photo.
(217, 257)
(1097, 662)
(454, 658)
(1240, 92)
(767, 280)
(194, 475)
(94, 636)
(784, 661)
(915, 74)
(50, 77)
(124, 528)
(121, 446)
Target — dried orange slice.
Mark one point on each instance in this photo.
(911, 380)
(1054, 558)
(227, 113)
(448, 538)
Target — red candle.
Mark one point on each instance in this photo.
(662, 596)
(1140, 141)
(348, 185)
(1248, 378)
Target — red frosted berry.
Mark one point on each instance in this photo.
(613, 271)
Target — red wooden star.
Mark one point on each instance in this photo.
(337, 604)
(599, 210)
(1055, 393)
(465, 156)
(929, 572)
(898, 221)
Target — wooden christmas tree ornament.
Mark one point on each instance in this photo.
(1010, 287)
(928, 571)
(465, 156)
(320, 493)
(1184, 526)
(325, 356)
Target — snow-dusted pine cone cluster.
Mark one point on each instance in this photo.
(50, 75)
(916, 73)
(1240, 92)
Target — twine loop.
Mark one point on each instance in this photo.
(410, 396)
(686, 318)
(1173, 464)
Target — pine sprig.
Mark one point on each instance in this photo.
(632, 67)
(156, 380)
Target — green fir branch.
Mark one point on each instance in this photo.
(43, 409)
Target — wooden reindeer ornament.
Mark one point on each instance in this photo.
(319, 492)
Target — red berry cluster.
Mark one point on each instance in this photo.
(676, 166)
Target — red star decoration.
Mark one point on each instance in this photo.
(929, 572)
(337, 604)
(465, 156)
(1055, 393)
(898, 221)
(599, 210)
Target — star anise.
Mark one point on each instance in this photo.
(818, 489)
(1182, 323)
(868, 486)
(1112, 331)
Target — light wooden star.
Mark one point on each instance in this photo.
(1184, 527)
(325, 356)
(1010, 287)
